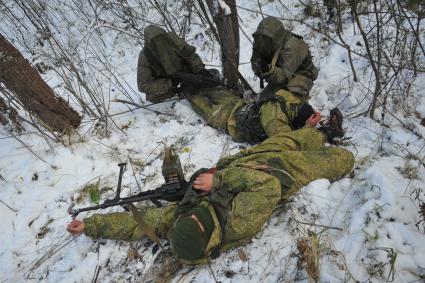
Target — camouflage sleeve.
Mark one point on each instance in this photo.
(122, 225)
(291, 57)
(248, 198)
(194, 61)
(189, 53)
(147, 83)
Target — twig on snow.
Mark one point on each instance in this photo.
(212, 272)
(134, 174)
(318, 225)
(141, 106)
(96, 274)
(52, 251)
(8, 206)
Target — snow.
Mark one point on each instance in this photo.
(221, 5)
(224, 7)
(360, 220)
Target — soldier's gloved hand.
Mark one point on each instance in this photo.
(276, 76)
(256, 68)
(76, 227)
(266, 71)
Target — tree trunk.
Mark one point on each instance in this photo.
(228, 32)
(9, 117)
(32, 91)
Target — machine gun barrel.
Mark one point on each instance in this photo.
(169, 192)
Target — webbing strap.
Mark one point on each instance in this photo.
(274, 61)
(144, 229)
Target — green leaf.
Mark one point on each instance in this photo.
(94, 195)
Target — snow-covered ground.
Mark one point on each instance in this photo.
(362, 223)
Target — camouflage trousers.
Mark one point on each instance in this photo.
(218, 106)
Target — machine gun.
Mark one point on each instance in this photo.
(173, 190)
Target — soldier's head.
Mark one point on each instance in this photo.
(191, 233)
(152, 35)
(159, 48)
(269, 36)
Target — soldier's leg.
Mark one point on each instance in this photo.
(277, 115)
(214, 105)
(330, 163)
(273, 119)
(123, 226)
(300, 85)
(299, 140)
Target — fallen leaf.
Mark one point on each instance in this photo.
(242, 255)
(132, 253)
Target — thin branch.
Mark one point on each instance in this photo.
(8, 206)
(318, 225)
(326, 35)
(141, 106)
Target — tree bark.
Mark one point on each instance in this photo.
(9, 117)
(228, 32)
(32, 91)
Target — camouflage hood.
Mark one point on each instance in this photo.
(161, 47)
(151, 32)
(273, 29)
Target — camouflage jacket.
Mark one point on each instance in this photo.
(163, 54)
(294, 69)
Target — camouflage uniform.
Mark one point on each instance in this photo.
(245, 121)
(246, 189)
(293, 69)
(164, 54)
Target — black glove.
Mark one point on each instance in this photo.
(260, 68)
(256, 68)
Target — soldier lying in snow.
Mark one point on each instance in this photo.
(165, 54)
(235, 201)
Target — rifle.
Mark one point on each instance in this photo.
(197, 80)
(260, 68)
(174, 188)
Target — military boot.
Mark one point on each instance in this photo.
(332, 128)
(171, 167)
